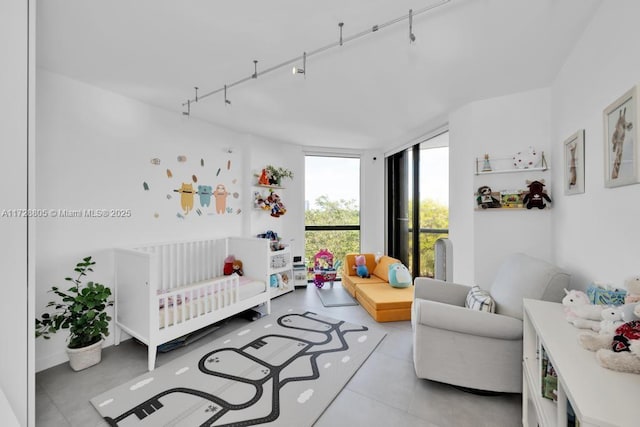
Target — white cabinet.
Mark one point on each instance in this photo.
(598, 396)
(281, 278)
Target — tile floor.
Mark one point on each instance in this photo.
(384, 391)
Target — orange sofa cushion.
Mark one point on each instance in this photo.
(385, 303)
(350, 283)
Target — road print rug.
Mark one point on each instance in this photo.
(281, 370)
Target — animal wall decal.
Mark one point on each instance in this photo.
(192, 185)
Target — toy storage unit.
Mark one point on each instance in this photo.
(597, 395)
(281, 279)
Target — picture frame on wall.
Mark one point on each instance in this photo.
(621, 140)
(574, 163)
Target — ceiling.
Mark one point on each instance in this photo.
(375, 92)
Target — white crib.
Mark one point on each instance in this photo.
(164, 291)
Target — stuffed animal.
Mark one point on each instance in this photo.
(579, 312)
(227, 270)
(536, 196)
(620, 350)
(486, 199)
(633, 290)
(237, 267)
(399, 276)
(611, 319)
(361, 266)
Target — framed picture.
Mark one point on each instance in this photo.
(621, 140)
(574, 163)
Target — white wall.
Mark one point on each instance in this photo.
(500, 127)
(596, 234)
(95, 151)
(15, 329)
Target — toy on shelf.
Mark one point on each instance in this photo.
(323, 268)
(536, 196)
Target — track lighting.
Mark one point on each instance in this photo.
(412, 37)
(302, 70)
(226, 101)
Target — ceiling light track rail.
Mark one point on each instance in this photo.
(341, 41)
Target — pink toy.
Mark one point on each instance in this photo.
(361, 266)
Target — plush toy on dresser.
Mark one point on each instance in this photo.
(618, 350)
(580, 312)
(633, 290)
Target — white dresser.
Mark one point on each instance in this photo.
(598, 396)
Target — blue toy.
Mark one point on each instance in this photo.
(361, 267)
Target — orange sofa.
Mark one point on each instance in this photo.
(382, 301)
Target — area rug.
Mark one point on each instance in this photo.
(281, 370)
(335, 296)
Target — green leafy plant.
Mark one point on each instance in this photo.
(277, 173)
(81, 310)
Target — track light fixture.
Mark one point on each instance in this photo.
(303, 70)
(412, 37)
(340, 42)
(226, 101)
(188, 112)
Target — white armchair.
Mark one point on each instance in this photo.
(476, 349)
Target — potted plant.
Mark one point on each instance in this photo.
(277, 173)
(82, 310)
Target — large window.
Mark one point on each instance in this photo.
(418, 202)
(332, 211)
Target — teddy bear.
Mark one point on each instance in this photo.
(580, 312)
(633, 290)
(536, 196)
(619, 350)
(361, 266)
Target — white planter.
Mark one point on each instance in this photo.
(82, 358)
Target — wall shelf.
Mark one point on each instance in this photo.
(493, 172)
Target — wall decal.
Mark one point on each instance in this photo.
(221, 198)
(199, 185)
(205, 193)
(186, 197)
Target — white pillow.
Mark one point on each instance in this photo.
(479, 299)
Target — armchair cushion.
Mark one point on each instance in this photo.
(521, 276)
(479, 299)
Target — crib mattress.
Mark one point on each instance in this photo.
(207, 303)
